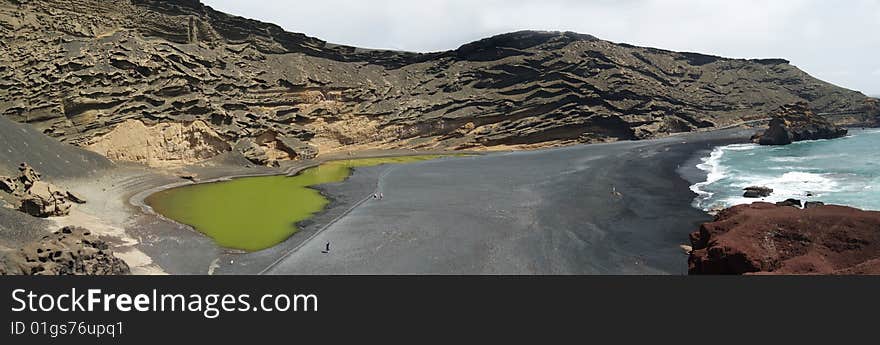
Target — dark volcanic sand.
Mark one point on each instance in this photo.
(540, 212)
(52, 159)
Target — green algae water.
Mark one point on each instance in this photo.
(255, 213)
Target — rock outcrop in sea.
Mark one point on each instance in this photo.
(797, 122)
(69, 251)
(83, 70)
(764, 238)
(756, 192)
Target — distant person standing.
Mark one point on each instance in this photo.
(615, 195)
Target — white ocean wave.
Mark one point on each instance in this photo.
(793, 181)
(714, 172)
(798, 159)
(842, 172)
(791, 185)
(788, 159)
(739, 147)
(793, 168)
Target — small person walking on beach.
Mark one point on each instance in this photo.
(615, 194)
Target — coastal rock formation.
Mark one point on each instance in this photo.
(796, 122)
(812, 204)
(69, 251)
(790, 203)
(764, 238)
(78, 70)
(757, 192)
(872, 108)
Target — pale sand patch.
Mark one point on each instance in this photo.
(146, 266)
(213, 266)
(161, 145)
(139, 262)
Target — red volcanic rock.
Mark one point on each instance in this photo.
(764, 238)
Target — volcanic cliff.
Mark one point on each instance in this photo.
(764, 238)
(78, 69)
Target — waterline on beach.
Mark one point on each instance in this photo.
(255, 213)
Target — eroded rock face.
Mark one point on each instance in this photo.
(253, 152)
(69, 251)
(7, 184)
(269, 149)
(796, 122)
(77, 69)
(160, 145)
(764, 238)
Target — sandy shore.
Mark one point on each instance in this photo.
(538, 212)
(150, 243)
(550, 211)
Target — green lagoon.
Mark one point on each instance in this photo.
(255, 213)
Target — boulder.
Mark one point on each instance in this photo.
(269, 148)
(7, 184)
(252, 151)
(757, 192)
(796, 122)
(812, 204)
(27, 175)
(45, 200)
(790, 203)
(297, 148)
(764, 238)
(69, 251)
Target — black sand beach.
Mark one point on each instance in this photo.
(539, 212)
(620, 208)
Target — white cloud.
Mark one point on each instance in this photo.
(821, 37)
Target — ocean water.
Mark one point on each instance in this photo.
(843, 171)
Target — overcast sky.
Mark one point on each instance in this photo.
(837, 41)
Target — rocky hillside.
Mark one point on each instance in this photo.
(76, 69)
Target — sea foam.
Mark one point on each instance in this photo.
(842, 171)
